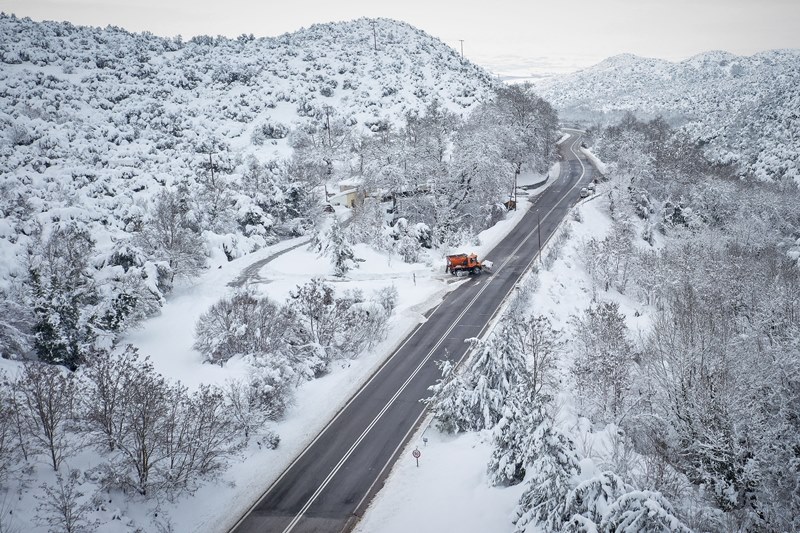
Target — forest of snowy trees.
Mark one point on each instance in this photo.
(705, 402)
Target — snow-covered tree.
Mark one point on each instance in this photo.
(513, 444)
(142, 420)
(168, 235)
(104, 384)
(335, 244)
(314, 305)
(604, 359)
(321, 142)
(552, 474)
(63, 295)
(215, 196)
(16, 338)
(532, 123)
(8, 443)
(479, 175)
(541, 344)
(480, 389)
(46, 401)
(197, 437)
(447, 401)
(250, 412)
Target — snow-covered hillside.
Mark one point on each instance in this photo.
(105, 119)
(743, 110)
(151, 155)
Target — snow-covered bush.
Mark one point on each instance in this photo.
(240, 324)
(634, 512)
(60, 507)
(267, 131)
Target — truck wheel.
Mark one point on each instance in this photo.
(476, 271)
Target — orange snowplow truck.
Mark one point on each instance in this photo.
(463, 264)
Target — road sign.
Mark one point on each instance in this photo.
(416, 453)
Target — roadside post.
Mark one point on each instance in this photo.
(416, 453)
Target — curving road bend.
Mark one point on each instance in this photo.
(328, 486)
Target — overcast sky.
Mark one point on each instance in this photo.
(521, 36)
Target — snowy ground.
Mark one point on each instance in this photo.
(449, 491)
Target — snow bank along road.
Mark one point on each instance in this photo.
(329, 484)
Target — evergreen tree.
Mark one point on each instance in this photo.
(342, 256)
(513, 446)
(477, 396)
(63, 295)
(447, 404)
(552, 473)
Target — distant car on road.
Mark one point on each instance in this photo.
(584, 192)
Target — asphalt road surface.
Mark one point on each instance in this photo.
(329, 485)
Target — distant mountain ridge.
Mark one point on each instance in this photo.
(743, 110)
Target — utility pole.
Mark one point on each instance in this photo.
(374, 34)
(462, 48)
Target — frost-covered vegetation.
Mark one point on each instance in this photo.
(740, 110)
(699, 407)
(709, 396)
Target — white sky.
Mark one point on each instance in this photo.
(521, 36)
